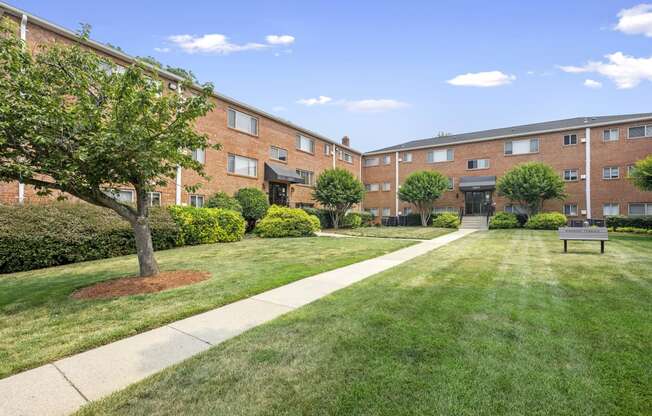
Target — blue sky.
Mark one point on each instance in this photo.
(393, 71)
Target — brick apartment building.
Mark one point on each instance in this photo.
(258, 149)
(592, 155)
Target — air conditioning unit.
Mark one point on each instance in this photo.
(582, 140)
(582, 176)
(400, 159)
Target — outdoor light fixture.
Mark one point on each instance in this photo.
(172, 86)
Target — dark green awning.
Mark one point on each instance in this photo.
(280, 173)
(477, 183)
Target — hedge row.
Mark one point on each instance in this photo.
(644, 221)
(351, 220)
(287, 222)
(37, 236)
(207, 225)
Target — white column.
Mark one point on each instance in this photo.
(396, 183)
(587, 169)
(334, 153)
(177, 187)
(23, 37)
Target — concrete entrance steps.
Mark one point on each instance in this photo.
(474, 222)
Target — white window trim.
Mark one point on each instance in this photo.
(345, 156)
(404, 157)
(311, 177)
(647, 207)
(235, 123)
(530, 152)
(195, 155)
(240, 174)
(563, 140)
(577, 175)
(203, 200)
(440, 161)
(617, 205)
(611, 168)
(387, 159)
(287, 154)
(645, 136)
(386, 188)
(477, 160)
(309, 139)
(368, 187)
(366, 163)
(571, 214)
(150, 199)
(611, 140)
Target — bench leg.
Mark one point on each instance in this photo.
(565, 246)
(602, 246)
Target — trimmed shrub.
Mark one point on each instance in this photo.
(287, 222)
(446, 220)
(633, 230)
(322, 215)
(503, 220)
(546, 221)
(207, 225)
(352, 220)
(254, 205)
(223, 200)
(367, 219)
(45, 235)
(643, 221)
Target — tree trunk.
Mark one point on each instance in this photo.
(145, 248)
(424, 218)
(335, 218)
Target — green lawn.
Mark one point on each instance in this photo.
(422, 233)
(497, 323)
(39, 322)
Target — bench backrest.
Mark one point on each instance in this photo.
(583, 233)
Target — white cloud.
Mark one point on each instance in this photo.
(636, 21)
(373, 105)
(279, 39)
(590, 83)
(322, 99)
(482, 79)
(212, 43)
(162, 50)
(624, 70)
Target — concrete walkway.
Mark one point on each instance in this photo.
(64, 386)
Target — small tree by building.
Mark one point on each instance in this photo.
(641, 174)
(530, 185)
(69, 121)
(422, 189)
(337, 190)
(254, 205)
(223, 200)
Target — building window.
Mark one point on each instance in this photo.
(640, 208)
(123, 195)
(640, 131)
(407, 211)
(347, 157)
(307, 176)
(371, 161)
(610, 209)
(373, 211)
(571, 175)
(199, 155)
(243, 122)
(327, 149)
(451, 183)
(515, 209)
(240, 165)
(387, 186)
(570, 210)
(407, 157)
(442, 210)
(387, 159)
(630, 170)
(196, 201)
(521, 147)
(611, 172)
(277, 153)
(154, 199)
(305, 144)
(386, 212)
(477, 164)
(610, 135)
(372, 187)
(436, 156)
(570, 139)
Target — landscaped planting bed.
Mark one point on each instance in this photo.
(497, 323)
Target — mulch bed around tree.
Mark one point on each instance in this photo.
(126, 286)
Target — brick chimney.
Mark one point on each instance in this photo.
(346, 141)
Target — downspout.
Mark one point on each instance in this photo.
(587, 168)
(396, 184)
(334, 152)
(360, 207)
(23, 37)
(177, 186)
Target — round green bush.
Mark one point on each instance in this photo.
(546, 221)
(352, 220)
(223, 200)
(287, 222)
(52, 234)
(207, 225)
(503, 220)
(446, 220)
(254, 205)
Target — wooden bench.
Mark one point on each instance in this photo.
(584, 234)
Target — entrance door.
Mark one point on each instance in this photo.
(278, 194)
(477, 202)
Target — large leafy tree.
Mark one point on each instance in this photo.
(530, 185)
(338, 191)
(641, 175)
(422, 189)
(69, 121)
